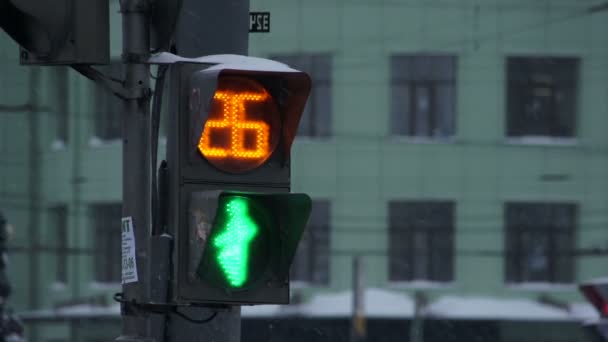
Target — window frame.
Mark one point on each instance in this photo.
(312, 255)
(107, 261)
(398, 206)
(574, 85)
(305, 62)
(60, 246)
(411, 116)
(60, 91)
(105, 102)
(514, 260)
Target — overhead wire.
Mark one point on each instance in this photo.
(565, 18)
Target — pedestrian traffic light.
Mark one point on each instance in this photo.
(236, 225)
(59, 31)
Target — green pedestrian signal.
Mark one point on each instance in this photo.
(236, 229)
(250, 244)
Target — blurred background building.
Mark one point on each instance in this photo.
(458, 147)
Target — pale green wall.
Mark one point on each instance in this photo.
(360, 168)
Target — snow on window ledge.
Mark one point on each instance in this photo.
(421, 284)
(104, 286)
(98, 142)
(58, 286)
(542, 140)
(58, 145)
(301, 284)
(542, 286)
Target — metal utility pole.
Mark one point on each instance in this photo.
(203, 28)
(34, 190)
(417, 325)
(136, 154)
(358, 324)
(207, 28)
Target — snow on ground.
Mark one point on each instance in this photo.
(541, 140)
(75, 311)
(494, 308)
(540, 286)
(421, 284)
(583, 312)
(380, 303)
(389, 304)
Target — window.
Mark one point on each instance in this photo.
(311, 263)
(60, 95)
(539, 242)
(421, 238)
(316, 119)
(541, 96)
(423, 96)
(59, 222)
(108, 107)
(108, 238)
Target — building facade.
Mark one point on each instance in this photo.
(460, 148)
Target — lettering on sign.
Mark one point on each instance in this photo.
(259, 21)
(129, 263)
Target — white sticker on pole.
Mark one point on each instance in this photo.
(129, 263)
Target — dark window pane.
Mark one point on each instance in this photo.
(421, 240)
(108, 107)
(60, 98)
(423, 95)
(540, 242)
(316, 119)
(107, 242)
(311, 263)
(445, 103)
(541, 96)
(59, 221)
(400, 98)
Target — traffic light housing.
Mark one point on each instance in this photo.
(236, 224)
(59, 32)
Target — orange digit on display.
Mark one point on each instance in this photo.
(242, 127)
(235, 119)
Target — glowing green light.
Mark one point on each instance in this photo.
(233, 242)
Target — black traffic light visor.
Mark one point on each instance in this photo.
(290, 91)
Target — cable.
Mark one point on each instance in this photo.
(196, 321)
(155, 122)
(137, 308)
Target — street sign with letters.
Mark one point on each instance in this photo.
(259, 21)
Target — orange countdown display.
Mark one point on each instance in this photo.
(242, 129)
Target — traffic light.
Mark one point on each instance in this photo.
(596, 292)
(58, 32)
(236, 225)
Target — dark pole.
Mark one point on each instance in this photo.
(203, 28)
(34, 185)
(206, 28)
(136, 156)
(358, 326)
